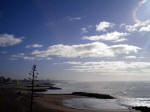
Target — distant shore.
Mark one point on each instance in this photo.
(54, 102)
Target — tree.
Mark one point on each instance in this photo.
(33, 75)
(4, 79)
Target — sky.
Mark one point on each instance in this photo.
(85, 40)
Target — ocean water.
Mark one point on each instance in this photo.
(127, 93)
(94, 104)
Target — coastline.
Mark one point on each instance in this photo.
(54, 102)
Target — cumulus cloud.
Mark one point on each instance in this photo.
(26, 57)
(34, 46)
(9, 40)
(145, 29)
(109, 66)
(124, 49)
(139, 27)
(103, 26)
(131, 28)
(113, 36)
(95, 50)
(130, 57)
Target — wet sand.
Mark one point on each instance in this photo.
(55, 102)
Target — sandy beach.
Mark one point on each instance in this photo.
(55, 102)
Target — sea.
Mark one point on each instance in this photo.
(128, 94)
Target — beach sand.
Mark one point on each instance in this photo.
(54, 102)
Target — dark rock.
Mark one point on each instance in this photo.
(38, 90)
(142, 109)
(53, 88)
(93, 95)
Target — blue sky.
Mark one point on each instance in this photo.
(75, 39)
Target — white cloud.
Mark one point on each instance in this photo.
(103, 26)
(34, 46)
(9, 40)
(131, 28)
(139, 27)
(73, 62)
(130, 57)
(16, 56)
(110, 66)
(124, 49)
(95, 49)
(84, 30)
(145, 29)
(120, 40)
(113, 36)
(74, 18)
(26, 57)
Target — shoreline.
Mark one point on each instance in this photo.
(55, 102)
